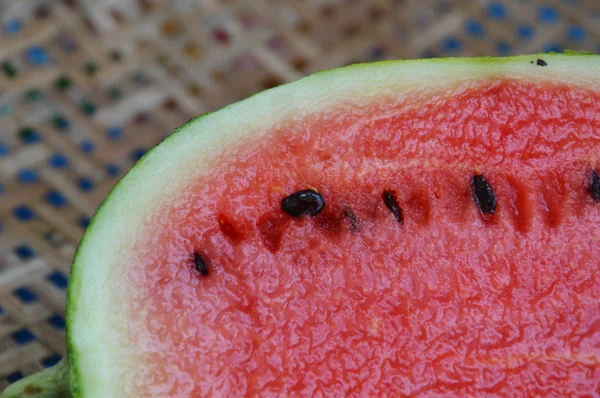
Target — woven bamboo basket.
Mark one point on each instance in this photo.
(86, 87)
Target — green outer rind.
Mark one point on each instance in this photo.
(357, 83)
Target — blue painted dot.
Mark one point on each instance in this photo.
(85, 184)
(24, 252)
(1, 311)
(112, 169)
(87, 146)
(525, 31)
(3, 149)
(114, 133)
(475, 28)
(452, 44)
(503, 48)
(25, 295)
(23, 336)
(57, 322)
(27, 176)
(84, 222)
(23, 213)
(51, 360)
(13, 377)
(2, 189)
(30, 139)
(496, 10)
(36, 55)
(56, 199)
(61, 122)
(553, 47)
(548, 14)
(29, 136)
(577, 32)
(13, 26)
(137, 153)
(58, 160)
(58, 279)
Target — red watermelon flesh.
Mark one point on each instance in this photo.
(354, 302)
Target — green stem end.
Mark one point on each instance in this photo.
(49, 383)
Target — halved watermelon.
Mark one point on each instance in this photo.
(415, 228)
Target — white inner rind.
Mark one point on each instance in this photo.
(99, 364)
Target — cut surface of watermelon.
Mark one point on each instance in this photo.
(456, 252)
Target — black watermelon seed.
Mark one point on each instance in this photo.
(484, 195)
(595, 186)
(303, 203)
(352, 219)
(391, 202)
(541, 62)
(200, 264)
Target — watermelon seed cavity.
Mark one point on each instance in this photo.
(200, 264)
(595, 186)
(306, 202)
(484, 196)
(228, 228)
(352, 219)
(391, 202)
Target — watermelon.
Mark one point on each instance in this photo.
(407, 228)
